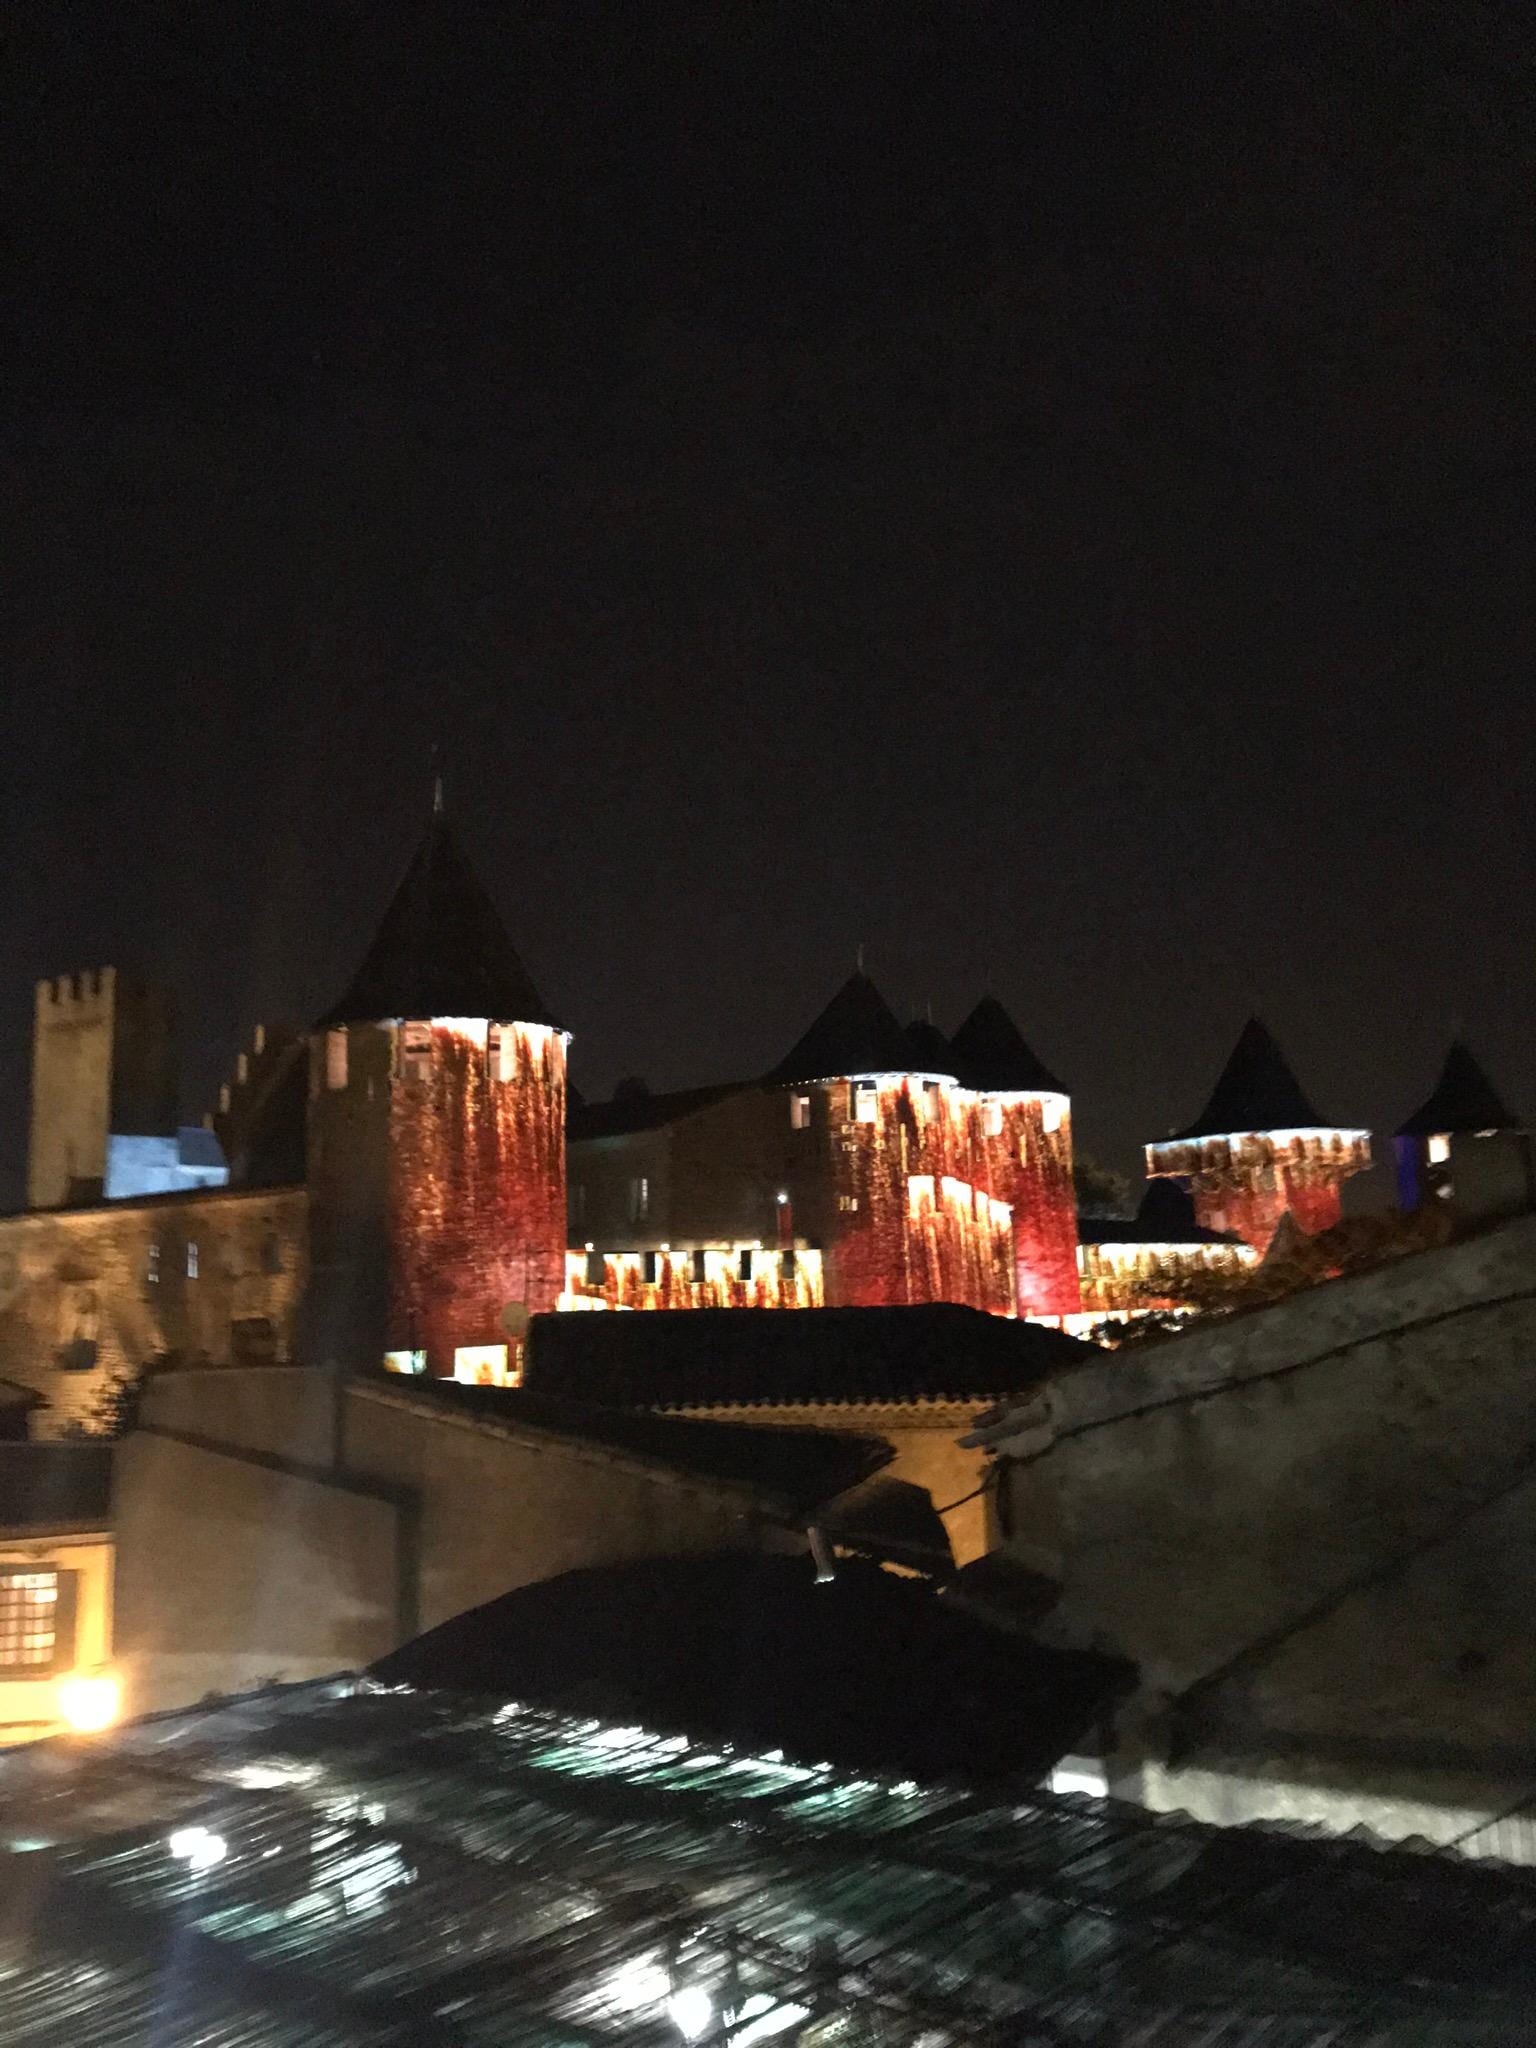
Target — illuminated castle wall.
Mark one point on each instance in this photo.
(437, 1170)
(1247, 1181)
(1259, 1150)
(476, 1192)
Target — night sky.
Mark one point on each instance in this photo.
(1042, 492)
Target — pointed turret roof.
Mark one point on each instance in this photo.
(992, 1055)
(441, 949)
(930, 1051)
(1256, 1092)
(855, 1034)
(1464, 1099)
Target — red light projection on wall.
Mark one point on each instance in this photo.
(888, 1244)
(1131, 1279)
(1247, 1181)
(476, 1196)
(707, 1278)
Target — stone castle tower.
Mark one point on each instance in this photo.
(1027, 1130)
(103, 1067)
(436, 1138)
(940, 1182)
(1259, 1150)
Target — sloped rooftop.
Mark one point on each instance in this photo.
(682, 1358)
(1464, 1099)
(801, 1467)
(870, 1669)
(856, 1033)
(441, 949)
(336, 1866)
(990, 1053)
(1256, 1091)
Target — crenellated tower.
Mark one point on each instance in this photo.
(436, 1138)
(1259, 1150)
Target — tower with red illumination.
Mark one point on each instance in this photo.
(887, 1163)
(436, 1138)
(1026, 1128)
(1259, 1150)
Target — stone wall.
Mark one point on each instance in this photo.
(1312, 1528)
(264, 1531)
(86, 1294)
(925, 1436)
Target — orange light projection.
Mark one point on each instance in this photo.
(695, 1279)
(476, 1198)
(1246, 1181)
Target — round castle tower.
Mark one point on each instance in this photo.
(1259, 1149)
(436, 1143)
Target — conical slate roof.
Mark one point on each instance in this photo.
(1256, 1092)
(855, 1034)
(991, 1054)
(930, 1051)
(1464, 1100)
(441, 949)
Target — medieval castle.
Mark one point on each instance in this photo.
(411, 1180)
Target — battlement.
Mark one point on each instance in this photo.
(103, 1065)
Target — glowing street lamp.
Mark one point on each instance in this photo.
(90, 1701)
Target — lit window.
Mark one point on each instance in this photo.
(866, 1104)
(152, 1265)
(800, 1112)
(501, 1051)
(336, 1059)
(35, 1624)
(1439, 1149)
(992, 1119)
(639, 1198)
(405, 1361)
(416, 1051)
(1050, 1114)
(191, 1258)
(847, 1203)
(482, 1365)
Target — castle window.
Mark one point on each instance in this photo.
(847, 1203)
(744, 1262)
(596, 1269)
(483, 1365)
(799, 1112)
(1050, 1114)
(639, 1198)
(416, 1051)
(648, 1268)
(336, 1059)
(191, 1258)
(1439, 1149)
(501, 1051)
(865, 1103)
(787, 1262)
(992, 1119)
(36, 1623)
(152, 1265)
(700, 1268)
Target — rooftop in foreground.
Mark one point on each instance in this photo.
(329, 1865)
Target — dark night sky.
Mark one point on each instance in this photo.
(1042, 491)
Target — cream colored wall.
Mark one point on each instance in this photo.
(29, 1706)
(925, 1437)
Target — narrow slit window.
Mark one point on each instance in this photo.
(336, 1059)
